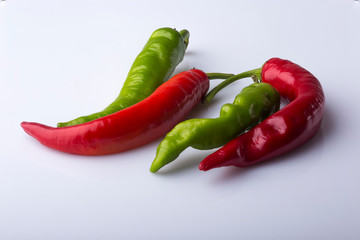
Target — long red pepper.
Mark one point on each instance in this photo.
(131, 127)
(283, 131)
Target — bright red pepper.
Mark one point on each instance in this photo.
(283, 131)
(131, 127)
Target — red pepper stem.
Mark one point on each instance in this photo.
(255, 74)
(212, 76)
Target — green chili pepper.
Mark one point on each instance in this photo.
(255, 103)
(155, 64)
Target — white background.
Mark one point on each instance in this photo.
(63, 59)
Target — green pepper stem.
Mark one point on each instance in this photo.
(219, 75)
(185, 34)
(255, 73)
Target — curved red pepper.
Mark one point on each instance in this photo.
(131, 127)
(283, 131)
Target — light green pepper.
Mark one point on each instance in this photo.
(155, 64)
(255, 103)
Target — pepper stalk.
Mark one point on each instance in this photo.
(255, 74)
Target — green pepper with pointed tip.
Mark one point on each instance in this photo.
(155, 64)
(252, 105)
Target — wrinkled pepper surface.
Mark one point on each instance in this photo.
(155, 64)
(252, 105)
(283, 131)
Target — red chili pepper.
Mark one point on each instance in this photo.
(131, 127)
(283, 131)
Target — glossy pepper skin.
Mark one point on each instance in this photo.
(131, 127)
(164, 50)
(283, 131)
(253, 104)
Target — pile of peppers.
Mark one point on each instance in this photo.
(153, 104)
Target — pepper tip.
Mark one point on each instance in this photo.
(154, 168)
(203, 167)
